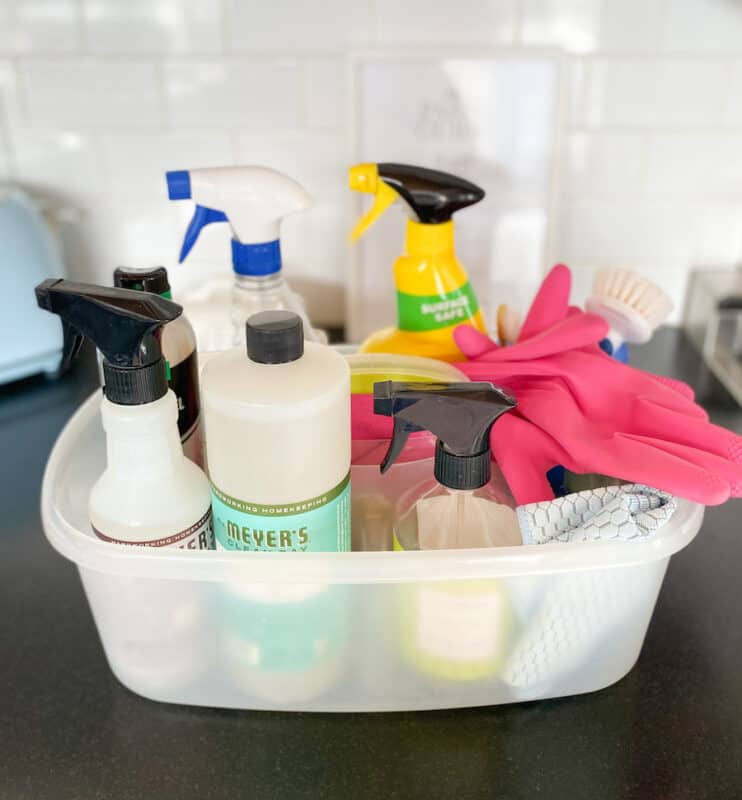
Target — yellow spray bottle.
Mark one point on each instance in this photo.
(433, 290)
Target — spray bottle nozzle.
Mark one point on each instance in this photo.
(178, 184)
(123, 324)
(252, 200)
(433, 196)
(460, 415)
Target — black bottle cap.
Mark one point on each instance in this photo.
(274, 337)
(124, 324)
(135, 386)
(461, 472)
(153, 280)
(434, 196)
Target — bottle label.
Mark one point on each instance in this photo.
(284, 635)
(320, 524)
(199, 536)
(418, 312)
(184, 383)
(461, 626)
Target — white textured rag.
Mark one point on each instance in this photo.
(631, 511)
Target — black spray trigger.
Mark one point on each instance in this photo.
(72, 342)
(401, 434)
(124, 325)
(460, 415)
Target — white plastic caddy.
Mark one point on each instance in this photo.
(340, 631)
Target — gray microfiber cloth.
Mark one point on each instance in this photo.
(630, 511)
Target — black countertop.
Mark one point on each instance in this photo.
(671, 729)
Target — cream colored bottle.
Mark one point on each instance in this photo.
(277, 422)
(150, 494)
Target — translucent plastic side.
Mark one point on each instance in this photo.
(355, 631)
(78, 458)
(383, 647)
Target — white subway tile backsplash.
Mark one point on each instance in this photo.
(5, 166)
(230, 92)
(327, 105)
(318, 160)
(656, 239)
(703, 26)
(98, 98)
(91, 92)
(696, 163)
(588, 26)
(10, 108)
(438, 22)
(285, 26)
(64, 161)
(603, 162)
(136, 163)
(112, 233)
(656, 92)
(39, 26)
(733, 103)
(152, 26)
(314, 243)
(574, 75)
(717, 234)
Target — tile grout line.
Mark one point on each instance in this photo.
(82, 28)
(6, 140)
(519, 24)
(162, 95)
(224, 29)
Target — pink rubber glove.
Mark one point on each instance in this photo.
(580, 408)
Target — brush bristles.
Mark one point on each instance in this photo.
(637, 293)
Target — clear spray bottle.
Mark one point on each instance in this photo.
(452, 630)
(468, 504)
(253, 201)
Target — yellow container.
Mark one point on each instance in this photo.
(368, 368)
(433, 290)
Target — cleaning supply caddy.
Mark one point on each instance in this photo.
(175, 652)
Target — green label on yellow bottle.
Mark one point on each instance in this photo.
(418, 312)
(320, 524)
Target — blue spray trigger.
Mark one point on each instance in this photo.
(201, 216)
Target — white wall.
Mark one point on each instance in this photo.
(99, 97)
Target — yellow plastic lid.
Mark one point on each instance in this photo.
(368, 368)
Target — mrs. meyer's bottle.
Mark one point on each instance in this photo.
(277, 422)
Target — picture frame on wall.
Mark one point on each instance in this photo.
(493, 118)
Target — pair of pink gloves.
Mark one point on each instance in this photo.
(583, 410)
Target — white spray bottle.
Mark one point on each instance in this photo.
(252, 200)
(150, 494)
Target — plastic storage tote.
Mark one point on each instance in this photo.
(372, 631)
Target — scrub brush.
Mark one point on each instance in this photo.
(632, 305)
